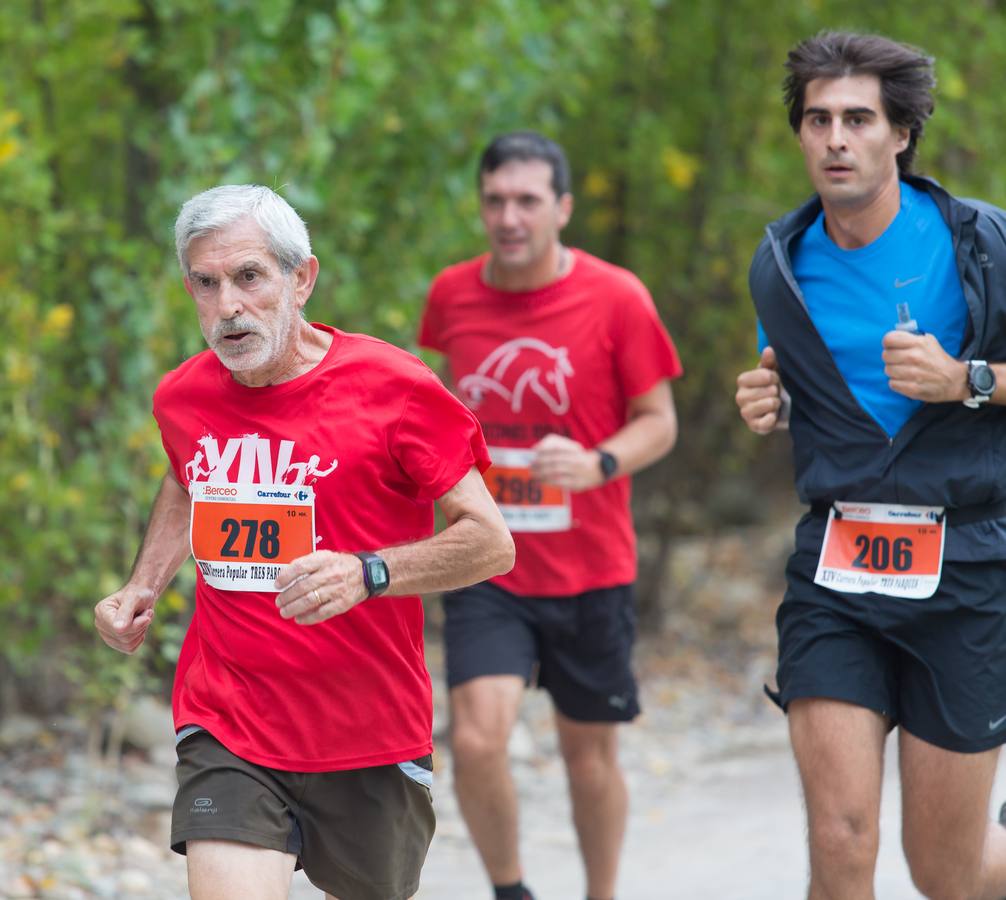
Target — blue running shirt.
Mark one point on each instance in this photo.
(852, 297)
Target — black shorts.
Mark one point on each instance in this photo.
(936, 667)
(361, 833)
(582, 646)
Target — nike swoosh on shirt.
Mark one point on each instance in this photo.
(994, 725)
(898, 283)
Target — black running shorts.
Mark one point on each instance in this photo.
(582, 646)
(936, 667)
(360, 834)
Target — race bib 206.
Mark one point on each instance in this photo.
(883, 548)
(244, 535)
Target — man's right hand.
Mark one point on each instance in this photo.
(760, 395)
(122, 618)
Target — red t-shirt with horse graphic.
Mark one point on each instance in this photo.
(563, 359)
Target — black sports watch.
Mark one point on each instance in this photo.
(981, 382)
(608, 463)
(375, 573)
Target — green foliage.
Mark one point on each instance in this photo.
(369, 115)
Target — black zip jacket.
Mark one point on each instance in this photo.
(946, 454)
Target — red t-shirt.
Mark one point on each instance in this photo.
(378, 438)
(565, 359)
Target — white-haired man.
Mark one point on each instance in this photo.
(301, 700)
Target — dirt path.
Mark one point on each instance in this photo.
(732, 828)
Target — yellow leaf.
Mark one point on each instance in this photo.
(8, 150)
(175, 601)
(952, 86)
(20, 481)
(394, 318)
(9, 118)
(58, 320)
(19, 368)
(596, 184)
(137, 440)
(601, 220)
(681, 168)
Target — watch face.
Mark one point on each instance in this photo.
(375, 573)
(608, 463)
(378, 574)
(983, 379)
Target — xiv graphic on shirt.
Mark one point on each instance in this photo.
(255, 463)
(517, 366)
(247, 526)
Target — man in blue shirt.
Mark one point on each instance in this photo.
(880, 307)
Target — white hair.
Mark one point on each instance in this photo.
(215, 209)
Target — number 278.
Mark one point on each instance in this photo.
(266, 532)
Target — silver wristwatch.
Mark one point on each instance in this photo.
(981, 382)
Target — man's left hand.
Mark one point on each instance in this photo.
(320, 585)
(918, 367)
(566, 463)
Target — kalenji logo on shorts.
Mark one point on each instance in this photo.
(203, 806)
(228, 491)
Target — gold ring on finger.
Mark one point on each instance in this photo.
(317, 597)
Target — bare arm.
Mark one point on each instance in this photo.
(918, 367)
(474, 546)
(761, 398)
(122, 618)
(649, 433)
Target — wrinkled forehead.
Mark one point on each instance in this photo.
(233, 245)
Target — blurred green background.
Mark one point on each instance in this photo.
(369, 116)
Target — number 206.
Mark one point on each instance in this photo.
(883, 553)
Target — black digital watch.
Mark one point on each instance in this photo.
(608, 463)
(375, 573)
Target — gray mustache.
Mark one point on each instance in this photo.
(233, 326)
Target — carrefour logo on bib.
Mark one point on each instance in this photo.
(280, 494)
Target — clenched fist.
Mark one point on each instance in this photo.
(760, 396)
